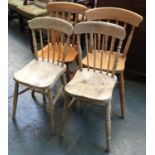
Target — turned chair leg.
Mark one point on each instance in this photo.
(63, 117)
(15, 99)
(122, 94)
(108, 126)
(51, 110)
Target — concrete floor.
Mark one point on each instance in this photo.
(84, 131)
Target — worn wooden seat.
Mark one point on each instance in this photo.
(69, 57)
(129, 20)
(120, 65)
(73, 13)
(40, 75)
(44, 75)
(92, 84)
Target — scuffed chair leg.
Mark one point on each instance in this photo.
(15, 99)
(63, 118)
(122, 94)
(51, 111)
(108, 126)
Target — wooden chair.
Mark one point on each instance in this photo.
(92, 84)
(41, 74)
(73, 13)
(129, 20)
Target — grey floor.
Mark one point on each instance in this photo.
(84, 131)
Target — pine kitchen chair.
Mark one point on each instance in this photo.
(41, 74)
(92, 84)
(73, 13)
(130, 21)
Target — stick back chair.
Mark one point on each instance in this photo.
(41, 74)
(129, 20)
(92, 83)
(73, 13)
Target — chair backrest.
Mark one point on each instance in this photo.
(69, 11)
(41, 28)
(91, 29)
(128, 19)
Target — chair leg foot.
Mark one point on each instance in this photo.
(122, 94)
(108, 126)
(15, 99)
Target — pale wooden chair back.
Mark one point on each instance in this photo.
(69, 11)
(92, 29)
(128, 19)
(46, 25)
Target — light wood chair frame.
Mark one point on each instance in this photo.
(130, 21)
(47, 24)
(73, 13)
(92, 28)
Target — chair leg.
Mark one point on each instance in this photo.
(15, 99)
(51, 110)
(63, 117)
(122, 94)
(67, 73)
(108, 126)
(63, 82)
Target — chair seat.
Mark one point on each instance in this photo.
(91, 85)
(120, 65)
(71, 53)
(31, 11)
(39, 74)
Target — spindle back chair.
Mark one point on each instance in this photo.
(92, 83)
(41, 74)
(129, 20)
(73, 13)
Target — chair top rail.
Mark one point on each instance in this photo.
(51, 23)
(66, 7)
(114, 13)
(101, 28)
